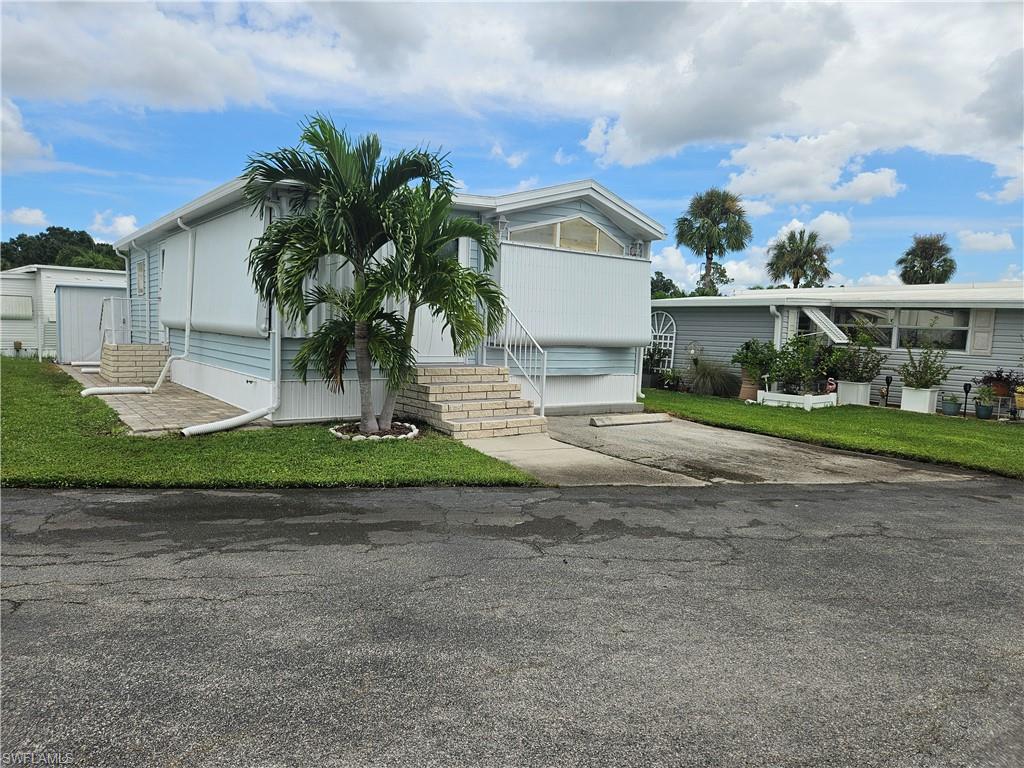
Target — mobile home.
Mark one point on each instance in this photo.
(574, 263)
(980, 324)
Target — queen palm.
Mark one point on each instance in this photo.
(347, 193)
(424, 271)
(928, 260)
(714, 224)
(800, 257)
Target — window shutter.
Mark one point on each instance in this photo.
(983, 325)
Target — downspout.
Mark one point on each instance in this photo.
(778, 325)
(189, 279)
(274, 337)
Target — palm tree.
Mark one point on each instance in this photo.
(801, 258)
(347, 194)
(425, 272)
(928, 260)
(714, 223)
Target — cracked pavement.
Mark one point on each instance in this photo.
(739, 625)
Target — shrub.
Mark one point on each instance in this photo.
(800, 362)
(927, 370)
(756, 357)
(711, 378)
(858, 362)
(1010, 378)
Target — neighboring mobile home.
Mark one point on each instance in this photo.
(574, 263)
(981, 324)
(45, 304)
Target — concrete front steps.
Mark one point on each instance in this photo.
(469, 402)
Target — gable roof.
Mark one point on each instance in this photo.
(30, 268)
(605, 200)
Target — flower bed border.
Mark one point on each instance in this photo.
(413, 432)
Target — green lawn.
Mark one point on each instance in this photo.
(985, 445)
(51, 436)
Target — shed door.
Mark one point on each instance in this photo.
(432, 345)
(78, 322)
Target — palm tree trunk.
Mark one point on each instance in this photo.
(388, 411)
(364, 371)
(709, 259)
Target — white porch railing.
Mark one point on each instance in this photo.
(120, 315)
(521, 354)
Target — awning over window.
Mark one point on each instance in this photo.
(829, 328)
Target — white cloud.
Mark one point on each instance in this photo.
(561, 158)
(21, 149)
(1012, 273)
(525, 184)
(985, 241)
(757, 207)
(892, 277)
(108, 227)
(725, 73)
(834, 228)
(671, 261)
(27, 217)
(810, 168)
(513, 160)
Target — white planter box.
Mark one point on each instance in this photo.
(854, 392)
(807, 402)
(919, 400)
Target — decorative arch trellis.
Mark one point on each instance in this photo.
(663, 336)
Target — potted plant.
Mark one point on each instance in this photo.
(921, 375)
(854, 367)
(755, 358)
(673, 380)
(1018, 397)
(1002, 382)
(984, 399)
(654, 365)
(950, 404)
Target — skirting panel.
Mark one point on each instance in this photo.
(238, 389)
(583, 390)
(315, 402)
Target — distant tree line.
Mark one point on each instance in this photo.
(61, 246)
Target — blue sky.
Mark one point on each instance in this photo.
(866, 123)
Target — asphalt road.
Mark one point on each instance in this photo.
(781, 625)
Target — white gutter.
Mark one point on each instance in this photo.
(188, 330)
(778, 325)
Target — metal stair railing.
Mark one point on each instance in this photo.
(522, 351)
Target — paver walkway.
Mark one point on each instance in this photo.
(169, 409)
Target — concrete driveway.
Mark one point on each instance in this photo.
(711, 454)
(740, 625)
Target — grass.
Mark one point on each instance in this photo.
(984, 445)
(51, 436)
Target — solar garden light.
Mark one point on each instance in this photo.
(967, 391)
(888, 385)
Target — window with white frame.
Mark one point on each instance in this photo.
(942, 328)
(140, 278)
(575, 234)
(898, 328)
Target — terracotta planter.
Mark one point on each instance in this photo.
(748, 388)
(1000, 389)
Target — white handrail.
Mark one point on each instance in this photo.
(519, 346)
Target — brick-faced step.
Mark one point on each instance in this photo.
(500, 422)
(485, 404)
(463, 370)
